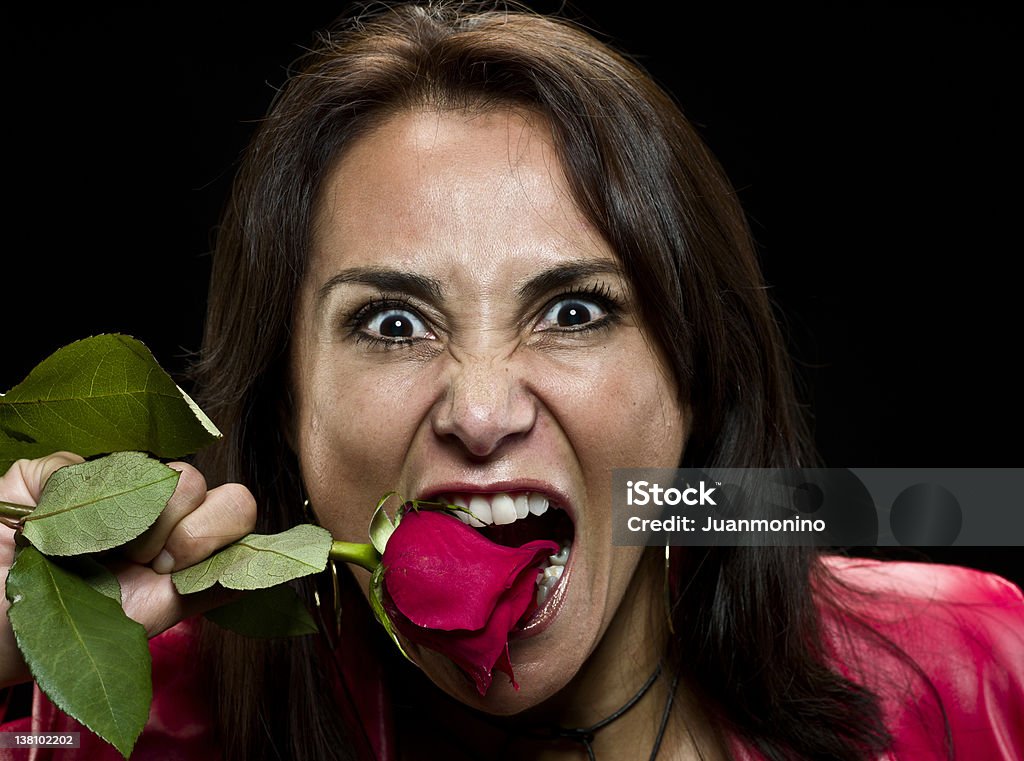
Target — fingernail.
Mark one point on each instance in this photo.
(163, 563)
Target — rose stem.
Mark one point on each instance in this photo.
(363, 555)
(11, 510)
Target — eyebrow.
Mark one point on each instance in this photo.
(429, 289)
(564, 275)
(425, 288)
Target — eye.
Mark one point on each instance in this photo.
(396, 324)
(572, 314)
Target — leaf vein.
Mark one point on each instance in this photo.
(113, 395)
(101, 498)
(69, 619)
(276, 552)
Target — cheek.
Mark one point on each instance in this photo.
(354, 433)
(621, 410)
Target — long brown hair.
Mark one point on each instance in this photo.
(643, 177)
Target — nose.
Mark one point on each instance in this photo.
(485, 405)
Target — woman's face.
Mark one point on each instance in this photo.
(463, 331)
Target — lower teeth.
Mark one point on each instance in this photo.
(552, 572)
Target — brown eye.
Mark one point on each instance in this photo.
(397, 324)
(573, 313)
(570, 314)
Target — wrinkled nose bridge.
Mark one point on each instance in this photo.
(485, 400)
(482, 387)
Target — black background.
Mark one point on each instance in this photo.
(875, 150)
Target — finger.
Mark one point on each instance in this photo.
(151, 599)
(12, 665)
(24, 481)
(188, 496)
(22, 484)
(13, 669)
(227, 514)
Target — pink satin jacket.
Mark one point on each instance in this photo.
(964, 628)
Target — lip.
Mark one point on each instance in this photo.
(546, 613)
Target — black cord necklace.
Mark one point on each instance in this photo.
(585, 735)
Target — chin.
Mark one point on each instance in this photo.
(577, 592)
(538, 682)
(547, 651)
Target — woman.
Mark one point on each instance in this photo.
(483, 257)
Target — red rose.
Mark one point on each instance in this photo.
(452, 590)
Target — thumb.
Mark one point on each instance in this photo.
(35, 473)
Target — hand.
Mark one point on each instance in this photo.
(196, 523)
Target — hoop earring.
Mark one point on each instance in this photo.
(668, 590)
(332, 571)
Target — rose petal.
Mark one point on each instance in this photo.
(442, 574)
(450, 589)
(479, 652)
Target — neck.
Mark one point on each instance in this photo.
(630, 653)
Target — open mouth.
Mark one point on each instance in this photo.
(514, 518)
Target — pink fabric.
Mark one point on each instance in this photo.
(179, 727)
(964, 628)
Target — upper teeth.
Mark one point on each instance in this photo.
(497, 509)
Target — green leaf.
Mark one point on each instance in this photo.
(265, 613)
(101, 394)
(84, 652)
(100, 504)
(260, 560)
(92, 573)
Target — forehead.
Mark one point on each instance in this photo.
(432, 186)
